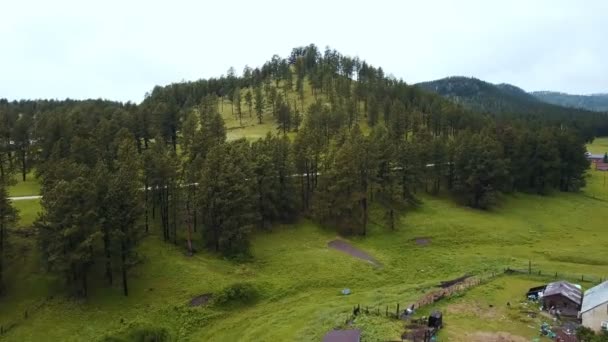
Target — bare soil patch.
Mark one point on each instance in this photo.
(347, 248)
(201, 300)
(473, 309)
(422, 241)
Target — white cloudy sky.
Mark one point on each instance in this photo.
(119, 49)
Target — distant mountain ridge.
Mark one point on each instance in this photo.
(501, 98)
(595, 102)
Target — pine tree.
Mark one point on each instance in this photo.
(283, 115)
(479, 169)
(124, 202)
(249, 101)
(226, 198)
(8, 217)
(259, 104)
(237, 102)
(67, 228)
(350, 172)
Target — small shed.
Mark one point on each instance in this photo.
(352, 335)
(563, 297)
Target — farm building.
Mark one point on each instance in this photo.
(343, 336)
(594, 312)
(595, 158)
(563, 297)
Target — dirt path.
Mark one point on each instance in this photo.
(24, 198)
(347, 248)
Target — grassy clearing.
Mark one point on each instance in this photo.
(300, 278)
(483, 311)
(250, 128)
(28, 211)
(30, 187)
(599, 145)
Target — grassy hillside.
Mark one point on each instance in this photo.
(299, 278)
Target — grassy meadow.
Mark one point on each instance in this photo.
(299, 279)
(30, 187)
(599, 145)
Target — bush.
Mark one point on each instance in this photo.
(238, 293)
(147, 334)
(585, 334)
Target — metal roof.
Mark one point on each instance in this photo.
(565, 289)
(595, 296)
(595, 156)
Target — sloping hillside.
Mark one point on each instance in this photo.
(595, 102)
(487, 97)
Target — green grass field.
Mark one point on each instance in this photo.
(482, 312)
(30, 187)
(299, 278)
(599, 145)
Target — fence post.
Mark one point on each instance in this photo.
(529, 266)
(387, 311)
(397, 314)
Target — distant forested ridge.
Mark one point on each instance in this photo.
(595, 102)
(345, 137)
(508, 100)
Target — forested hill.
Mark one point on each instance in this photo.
(503, 99)
(333, 135)
(595, 102)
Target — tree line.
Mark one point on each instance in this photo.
(112, 172)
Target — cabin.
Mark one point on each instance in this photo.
(352, 335)
(562, 298)
(594, 311)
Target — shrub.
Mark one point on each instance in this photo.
(238, 293)
(147, 334)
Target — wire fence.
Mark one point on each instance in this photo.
(460, 285)
(536, 271)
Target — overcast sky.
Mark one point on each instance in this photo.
(120, 49)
